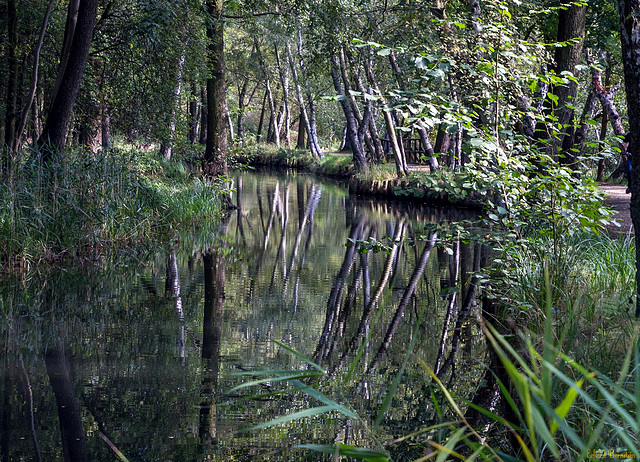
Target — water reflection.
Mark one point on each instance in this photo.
(158, 341)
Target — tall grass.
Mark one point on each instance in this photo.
(121, 197)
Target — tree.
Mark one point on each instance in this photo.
(59, 116)
(215, 156)
(630, 41)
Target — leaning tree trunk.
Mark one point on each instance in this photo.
(283, 70)
(267, 81)
(401, 163)
(359, 159)
(55, 129)
(215, 155)
(630, 36)
(304, 115)
(313, 134)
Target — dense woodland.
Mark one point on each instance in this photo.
(120, 119)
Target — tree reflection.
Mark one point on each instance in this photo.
(214, 296)
(74, 446)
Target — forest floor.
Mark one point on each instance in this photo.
(618, 200)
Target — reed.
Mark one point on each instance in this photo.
(122, 197)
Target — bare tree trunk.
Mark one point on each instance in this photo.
(34, 81)
(166, 148)
(304, 116)
(571, 29)
(261, 123)
(241, 105)
(284, 81)
(69, 31)
(215, 156)
(359, 159)
(11, 101)
(313, 134)
(301, 142)
(270, 99)
(401, 163)
(630, 36)
(204, 116)
(55, 130)
(193, 114)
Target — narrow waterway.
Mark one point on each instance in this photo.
(141, 357)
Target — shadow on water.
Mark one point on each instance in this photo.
(136, 358)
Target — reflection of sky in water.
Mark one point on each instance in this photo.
(133, 331)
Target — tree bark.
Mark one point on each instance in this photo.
(204, 116)
(193, 114)
(359, 159)
(311, 111)
(401, 163)
(55, 129)
(166, 148)
(571, 27)
(69, 31)
(630, 37)
(215, 156)
(74, 447)
(304, 115)
(283, 70)
(272, 106)
(12, 81)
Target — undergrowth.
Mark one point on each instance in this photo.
(122, 197)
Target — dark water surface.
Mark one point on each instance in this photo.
(136, 359)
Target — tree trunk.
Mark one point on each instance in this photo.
(215, 156)
(283, 70)
(261, 122)
(193, 114)
(359, 160)
(301, 143)
(166, 148)
(69, 31)
(204, 116)
(270, 99)
(630, 37)
(34, 81)
(571, 28)
(401, 163)
(12, 82)
(304, 115)
(241, 95)
(55, 129)
(313, 133)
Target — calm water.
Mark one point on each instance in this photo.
(139, 356)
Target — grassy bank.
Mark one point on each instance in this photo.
(122, 198)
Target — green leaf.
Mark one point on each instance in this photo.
(345, 450)
(288, 418)
(300, 356)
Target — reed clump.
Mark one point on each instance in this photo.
(90, 201)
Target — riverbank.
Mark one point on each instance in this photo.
(438, 189)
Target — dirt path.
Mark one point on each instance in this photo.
(618, 200)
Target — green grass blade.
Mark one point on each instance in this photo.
(282, 378)
(288, 418)
(300, 356)
(345, 450)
